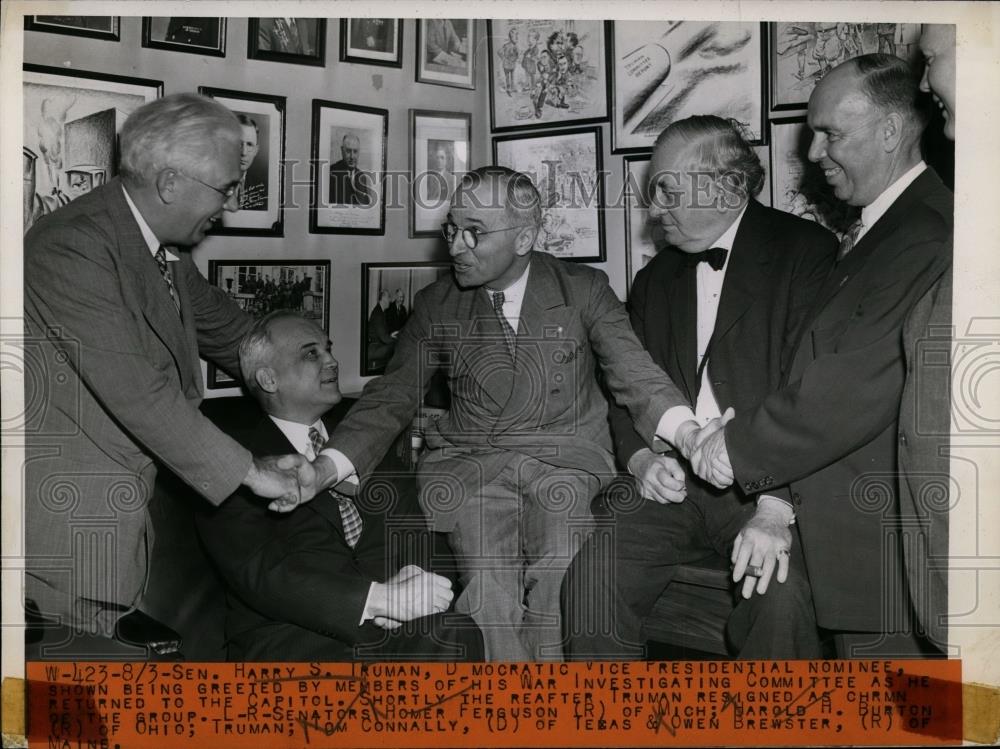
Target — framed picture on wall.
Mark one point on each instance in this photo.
(663, 71)
(196, 35)
(446, 52)
(262, 163)
(348, 168)
(260, 286)
(372, 41)
(643, 238)
(70, 138)
(95, 27)
(566, 167)
(439, 155)
(546, 73)
(301, 41)
(387, 291)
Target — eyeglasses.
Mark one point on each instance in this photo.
(227, 192)
(471, 235)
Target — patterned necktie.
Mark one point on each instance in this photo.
(508, 332)
(349, 514)
(715, 257)
(161, 261)
(848, 240)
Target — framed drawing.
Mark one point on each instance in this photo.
(301, 41)
(387, 291)
(663, 71)
(348, 168)
(764, 197)
(200, 36)
(642, 237)
(439, 155)
(372, 41)
(566, 167)
(546, 72)
(95, 27)
(260, 286)
(446, 52)
(71, 125)
(803, 52)
(262, 162)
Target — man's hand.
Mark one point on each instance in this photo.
(409, 594)
(312, 478)
(279, 477)
(763, 543)
(705, 449)
(660, 477)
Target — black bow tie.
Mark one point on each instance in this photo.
(716, 257)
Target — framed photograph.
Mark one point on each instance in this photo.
(262, 162)
(348, 168)
(71, 125)
(372, 41)
(446, 52)
(96, 27)
(643, 238)
(546, 72)
(439, 156)
(387, 291)
(663, 71)
(260, 286)
(566, 168)
(802, 52)
(196, 35)
(301, 41)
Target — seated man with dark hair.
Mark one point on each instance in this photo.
(331, 581)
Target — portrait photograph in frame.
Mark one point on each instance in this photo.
(95, 27)
(262, 286)
(439, 156)
(446, 52)
(546, 73)
(262, 163)
(372, 41)
(71, 125)
(387, 291)
(300, 41)
(194, 35)
(346, 195)
(664, 71)
(566, 167)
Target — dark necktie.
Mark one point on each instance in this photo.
(349, 514)
(715, 257)
(508, 332)
(161, 262)
(848, 240)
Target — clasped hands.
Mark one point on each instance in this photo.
(705, 449)
(289, 480)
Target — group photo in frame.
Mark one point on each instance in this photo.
(348, 156)
(191, 34)
(439, 156)
(566, 168)
(94, 27)
(260, 193)
(372, 41)
(664, 71)
(300, 41)
(262, 286)
(446, 52)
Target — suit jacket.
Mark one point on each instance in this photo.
(115, 377)
(546, 404)
(831, 432)
(344, 190)
(378, 326)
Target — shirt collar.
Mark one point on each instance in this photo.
(151, 241)
(877, 208)
(514, 293)
(298, 434)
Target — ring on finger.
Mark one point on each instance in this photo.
(754, 570)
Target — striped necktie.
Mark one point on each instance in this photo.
(848, 240)
(349, 514)
(161, 262)
(508, 332)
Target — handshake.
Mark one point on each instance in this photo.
(290, 480)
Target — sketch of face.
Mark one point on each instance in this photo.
(937, 44)
(349, 149)
(512, 35)
(441, 160)
(248, 146)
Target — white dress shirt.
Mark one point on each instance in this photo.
(151, 241)
(513, 298)
(877, 208)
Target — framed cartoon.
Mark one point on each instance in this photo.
(71, 125)
(663, 71)
(262, 163)
(546, 73)
(372, 41)
(387, 291)
(301, 41)
(260, 286)
(196, 35)
(348, 168)
(643, 238)
(446, 52)
(439, 155)
(95, 27)
(566, 167)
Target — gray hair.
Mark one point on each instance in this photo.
(520, 196)
(256, 347)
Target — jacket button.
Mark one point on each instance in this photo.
(902, 438)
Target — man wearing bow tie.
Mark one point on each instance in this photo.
(718, 310)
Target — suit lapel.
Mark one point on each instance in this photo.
(680, 291)
(746, 272)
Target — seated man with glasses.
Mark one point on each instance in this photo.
(511, 469)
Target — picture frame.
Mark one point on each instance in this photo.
(380, 325)
(346, 198)
(301, 43)
(372, 41)
(193, 35)
(107, 28)
(643, 238)
(651, 86)
(567, 169)
(261, 189)
(82, 152)
(261, 286)
(440, 144)
(546, 73)
(446, 52)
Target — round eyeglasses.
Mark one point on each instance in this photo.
(470, 234)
